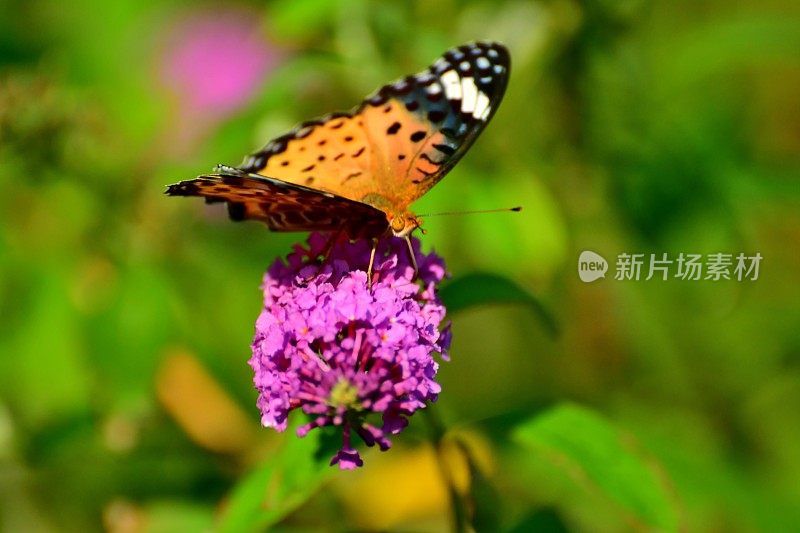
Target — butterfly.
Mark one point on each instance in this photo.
(359, 171)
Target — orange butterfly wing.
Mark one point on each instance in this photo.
(385, 154)
(328, 154)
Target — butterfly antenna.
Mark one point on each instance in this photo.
(500, 210)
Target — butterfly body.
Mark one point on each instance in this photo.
(360, 171)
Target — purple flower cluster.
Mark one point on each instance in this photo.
(340, 350)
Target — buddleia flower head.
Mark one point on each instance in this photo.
(348, 354)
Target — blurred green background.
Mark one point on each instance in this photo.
(126, 403)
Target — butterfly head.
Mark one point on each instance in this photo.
(402, 225)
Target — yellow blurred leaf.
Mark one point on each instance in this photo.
(201, 407)
(418, 493)
(417, 489)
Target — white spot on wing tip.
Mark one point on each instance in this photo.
(482, 106)
(434, 88)
(452, 85)
(469, 94)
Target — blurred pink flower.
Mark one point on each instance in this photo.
(214, 62)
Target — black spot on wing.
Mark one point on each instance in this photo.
(351, 176)
(295, 217)
(184, 188)
(436, 115)
(445, 149)
(236, 211)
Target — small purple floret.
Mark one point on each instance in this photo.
(341, 351)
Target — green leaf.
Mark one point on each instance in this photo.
(483, 288)
(167, 516)
(603, 463)
(293, 19)
(545, 520)
(277, 487)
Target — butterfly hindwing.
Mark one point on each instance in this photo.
(284, 206)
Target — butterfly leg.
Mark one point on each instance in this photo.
(411, 255)
(332, 240)
(325, 252)
(371, 262)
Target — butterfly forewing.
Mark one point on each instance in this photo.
(326, 154)
(428, 121)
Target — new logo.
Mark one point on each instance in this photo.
(591, 266)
